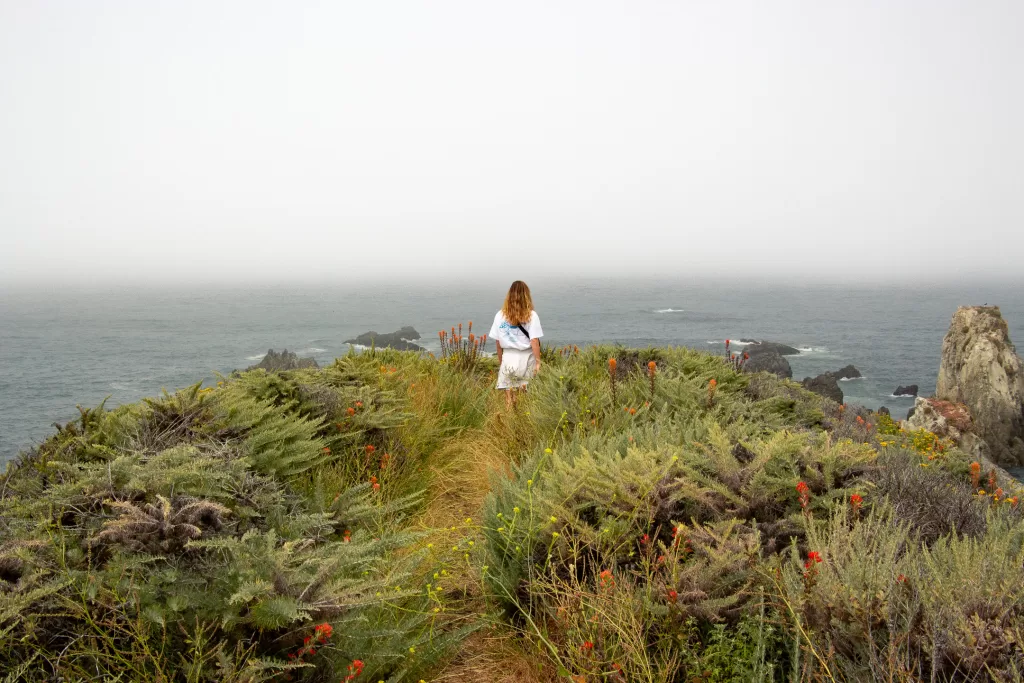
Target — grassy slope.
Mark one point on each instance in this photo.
(606, 591)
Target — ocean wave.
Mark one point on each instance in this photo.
(312, 349)
(850, 379)
(732, 342)
(669, 310)
(901, 396)
(258, 357)
(812, 349)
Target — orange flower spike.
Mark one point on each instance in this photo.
(470, 325)
(612, 365)
(370, 448)
(713, 383)
(351, 411)
(651, 367)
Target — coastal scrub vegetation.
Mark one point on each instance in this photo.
(643, 515)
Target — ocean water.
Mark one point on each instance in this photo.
(59, 348)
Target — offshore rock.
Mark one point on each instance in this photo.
(769, 361)
(400, 340)
(825, 385)
(755, 347)
(909, 390)
(981, 369)
(286, 360)
(849, 372)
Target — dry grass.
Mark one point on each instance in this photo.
(460, 478)
(496, 656)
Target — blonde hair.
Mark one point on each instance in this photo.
(518, 305)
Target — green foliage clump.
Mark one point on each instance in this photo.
(743, 529)
(228, 533)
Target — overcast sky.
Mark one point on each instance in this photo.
(157, 141)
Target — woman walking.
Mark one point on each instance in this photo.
(516, 332)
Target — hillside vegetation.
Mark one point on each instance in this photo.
(655, 517)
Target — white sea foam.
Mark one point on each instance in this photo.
(312, 349)
(850, 379)
(259, 357)
(901, 396)
(670, 310)
(812, 349)
(732, 342)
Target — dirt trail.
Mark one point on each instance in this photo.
(461, 475)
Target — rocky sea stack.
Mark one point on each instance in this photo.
(981, 369)
(286, 360)
(400, 340)
(767, 356)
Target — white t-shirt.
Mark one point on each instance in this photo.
(510, 336)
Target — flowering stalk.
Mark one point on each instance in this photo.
(804, 493)
(612, 364)
(651, 368)
(976, 475)
(712, 385)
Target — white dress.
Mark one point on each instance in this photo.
(517, 362)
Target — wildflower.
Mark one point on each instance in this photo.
(326, 449)
(975, 474)
(672, 595)
(644, 539)
(359, 404)
(804, 492)
(347, 536)
(651, 367)
(376, 487)
(611, 365)
(351, 411)
(587, 646)
(901, 578)
(855, 501)
(607, 580)
(632, 411)
(370, 448)
(813, 557)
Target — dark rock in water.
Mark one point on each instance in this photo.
(849, 372)
(400, 340)
(755, 347)
(825, 385)
(884, 411)
(909, 390)
(286, 360)
(769, 361)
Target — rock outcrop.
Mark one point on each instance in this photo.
(825, 385)
(400, 340)
(755, 347)
(286, 360)
(948, 420)
(769, 361)
(909, 390)
(849, 372)
(981, 369)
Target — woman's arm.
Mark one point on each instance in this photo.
(535, 345)
(497, 345)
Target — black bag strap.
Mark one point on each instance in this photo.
(523, 330)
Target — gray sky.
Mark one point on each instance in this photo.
(307, 140)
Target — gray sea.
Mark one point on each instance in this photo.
(62, 347)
